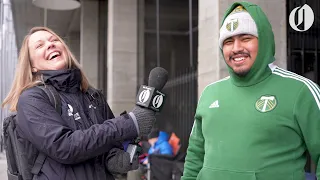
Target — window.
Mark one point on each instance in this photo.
(170, 36)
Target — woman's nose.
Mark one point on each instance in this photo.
(50, 45)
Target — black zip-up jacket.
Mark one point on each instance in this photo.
(77, 142)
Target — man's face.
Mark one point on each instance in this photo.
(240, 52)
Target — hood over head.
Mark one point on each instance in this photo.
(248, 18)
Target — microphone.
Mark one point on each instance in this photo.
(150, 97)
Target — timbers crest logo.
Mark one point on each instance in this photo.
(232, 25)
(266, 103)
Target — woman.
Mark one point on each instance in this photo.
(83, 142)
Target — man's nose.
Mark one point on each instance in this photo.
(237, 46)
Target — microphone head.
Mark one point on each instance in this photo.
(158, 77)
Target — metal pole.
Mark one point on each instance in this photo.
(1, 64)
(45, 17)
(158, 33)
(316, 66)
(190, 34)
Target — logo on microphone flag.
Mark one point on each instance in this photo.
(157, 101)
(150, 98)
(144, 96)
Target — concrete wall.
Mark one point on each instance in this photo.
(122, 54)
(141, 42)
(73, 41)
(211, 64)
(89, 40)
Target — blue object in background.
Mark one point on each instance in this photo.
(310, 176)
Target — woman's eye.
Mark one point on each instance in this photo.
(38, 46)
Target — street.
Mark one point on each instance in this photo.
(3, 167)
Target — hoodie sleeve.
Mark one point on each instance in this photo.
(195, 152)
(47, 131)
(307, 114)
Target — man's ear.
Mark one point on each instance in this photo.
(34, 70)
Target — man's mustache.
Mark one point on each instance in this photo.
(240, 53)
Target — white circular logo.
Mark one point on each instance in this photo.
(157, 101)
(305, 15)
(144, 96)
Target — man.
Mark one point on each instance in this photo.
(258, 123)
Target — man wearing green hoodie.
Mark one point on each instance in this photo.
(258, 123)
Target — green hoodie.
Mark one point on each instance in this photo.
(257, 127)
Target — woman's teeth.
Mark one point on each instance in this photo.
(53, 55)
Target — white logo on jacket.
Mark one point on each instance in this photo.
(215, 104)
(76, 116)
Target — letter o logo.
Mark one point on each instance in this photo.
(157, 101)
(144, 96)
(305, 15)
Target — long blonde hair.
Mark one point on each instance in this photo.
(24, 78)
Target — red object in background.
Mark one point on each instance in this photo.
(142, 156)
(174, 141)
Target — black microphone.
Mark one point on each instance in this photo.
(150, 97)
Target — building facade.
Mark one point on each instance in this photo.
(118, 42)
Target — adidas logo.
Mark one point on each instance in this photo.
(215, 104)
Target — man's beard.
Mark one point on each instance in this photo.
(242, 73)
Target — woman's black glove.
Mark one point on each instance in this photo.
(118, 161)
(145, 119)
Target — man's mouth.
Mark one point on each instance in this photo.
(239, 57)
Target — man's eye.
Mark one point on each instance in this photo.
(55, 40)
(246, 38)
(228, 42)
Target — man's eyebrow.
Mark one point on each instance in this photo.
(241, 35)
(229, 38)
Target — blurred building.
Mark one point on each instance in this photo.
(118, 42)
(8, 55)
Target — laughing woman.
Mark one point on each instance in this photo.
(84, 141)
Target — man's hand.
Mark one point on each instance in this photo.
(118, 161)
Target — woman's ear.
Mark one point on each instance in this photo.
(34, 70)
